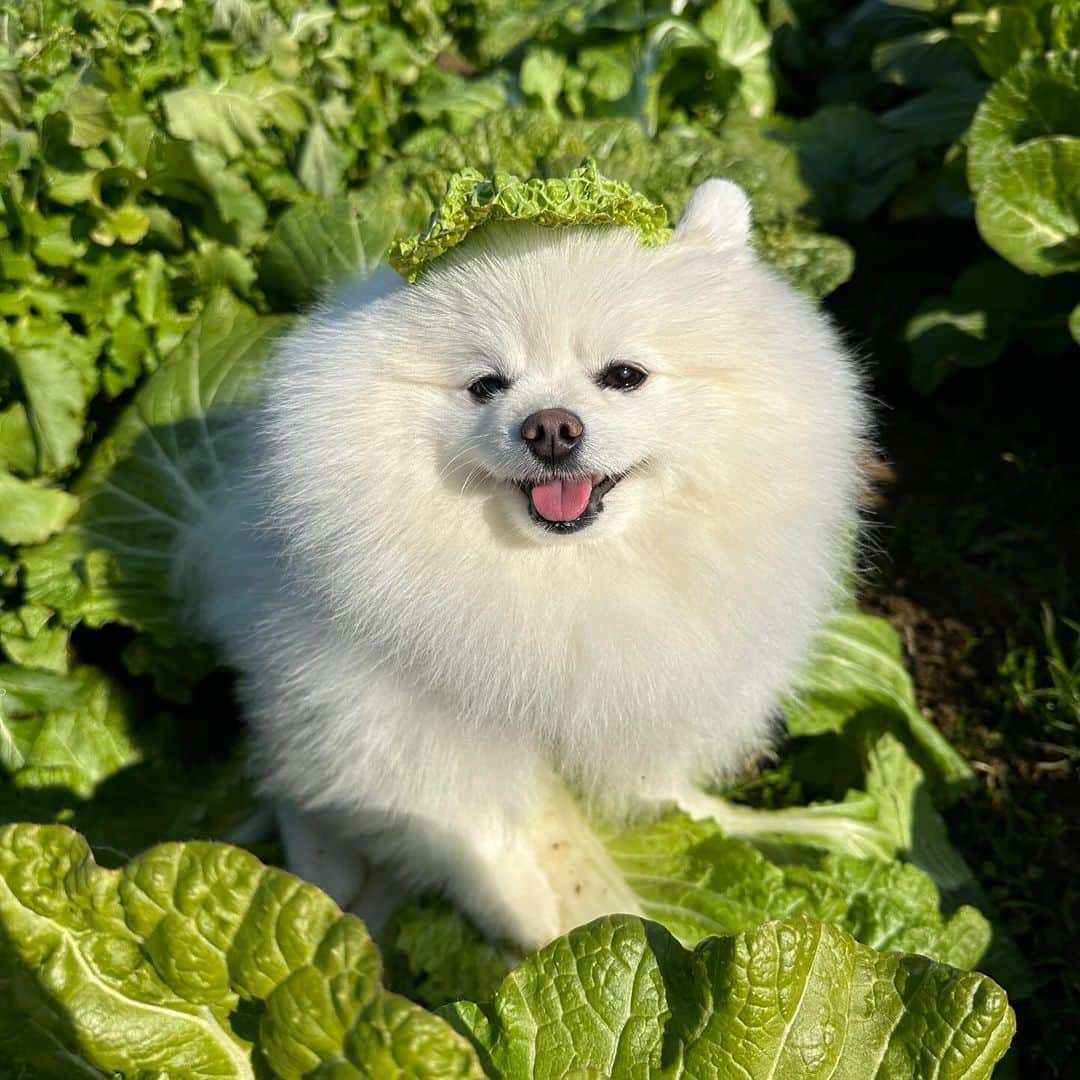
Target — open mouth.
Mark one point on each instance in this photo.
(567, 504)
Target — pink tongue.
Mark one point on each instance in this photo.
(562, 500)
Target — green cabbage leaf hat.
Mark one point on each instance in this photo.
(473, 200)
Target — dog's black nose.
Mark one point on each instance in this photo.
(552, 433)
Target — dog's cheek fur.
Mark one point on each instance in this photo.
(405, 652)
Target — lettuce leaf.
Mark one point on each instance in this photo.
(1036, 99)
(620, 997)
(697, 882)
(584, 197)
(32, 512)
(858, 665)
(198, 961)
(314, 245)
(32, 637)
(1028, 210)
(63, 730)
(664, 170)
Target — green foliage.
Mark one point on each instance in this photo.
(179, 179)
(197, 960)
(962, 111)
(1048, 683)
(194, 960)
(622, 998)
(583, 198)
(142, 482)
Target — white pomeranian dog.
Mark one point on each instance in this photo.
(569, 507)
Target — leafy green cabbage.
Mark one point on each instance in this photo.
(472, 200)
(794, 997)
(196, 960)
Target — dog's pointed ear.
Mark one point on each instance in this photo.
(718, 215)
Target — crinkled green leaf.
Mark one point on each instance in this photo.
(621, 997)
(434, 955)
(63, 730)
(460, 102)
(18, 453)
(1038, 98)
(542, 75)
(1028, 208)
(886, 813)
(55, 373)
(897, 784)
(221, 200)
(31, 512)
(77, 748)
(608, 70)
(32, 637)
(813, 261)
(90, 114)
(321, 163)
(198, 961)
(665, 170)
(127, 355)
(54, 244)
(582, 198)
(697, 881)
(127, 225)
(1074, 323)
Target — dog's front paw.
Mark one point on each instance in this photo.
(517, 903)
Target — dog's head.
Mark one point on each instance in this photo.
(550, 387)
(570, 380)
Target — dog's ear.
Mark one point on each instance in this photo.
(718, 214)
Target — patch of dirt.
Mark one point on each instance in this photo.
(937, 649)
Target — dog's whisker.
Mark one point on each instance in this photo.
(471, 442)
(468, 479)
(444, 471)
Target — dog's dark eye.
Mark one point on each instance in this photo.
(623, 377)
(486, 388)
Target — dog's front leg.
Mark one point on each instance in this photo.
(469, 841)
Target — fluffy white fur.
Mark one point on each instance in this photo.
(416, 653)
